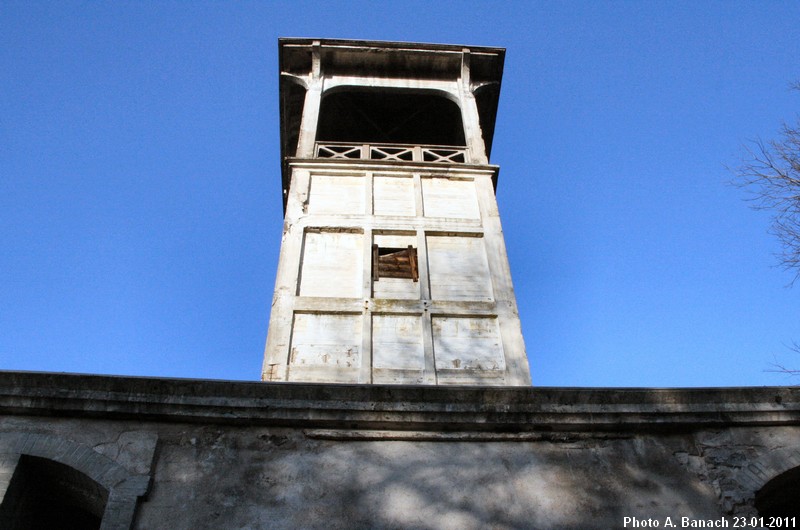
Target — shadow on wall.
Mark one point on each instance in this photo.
(282, 479)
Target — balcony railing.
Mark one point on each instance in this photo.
(395, 152)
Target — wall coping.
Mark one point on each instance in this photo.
(394, 407)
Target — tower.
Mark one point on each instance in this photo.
(393, 267)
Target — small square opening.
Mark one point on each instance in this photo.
(392, 262)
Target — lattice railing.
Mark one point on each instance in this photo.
(395, 152)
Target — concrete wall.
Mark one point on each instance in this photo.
(257, 455)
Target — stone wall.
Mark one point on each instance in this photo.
(212, 454)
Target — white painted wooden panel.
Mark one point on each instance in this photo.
(395, 288)
(321, 340)
(337, 195)
(458, 268)
(393, 196)
(456, 199)
(332, 264)
(397, 342)
(467, 343)
(395, 240)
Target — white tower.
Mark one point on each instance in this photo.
(393, 267)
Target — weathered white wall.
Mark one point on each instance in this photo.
(459, 269)
(450, 197)
(394, 195)
(397, 346)
(467, 344)
(457, 324)
(332, 264)
(336, 194)
(324, 344)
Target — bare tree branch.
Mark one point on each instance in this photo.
(770, 172)
(779, 368)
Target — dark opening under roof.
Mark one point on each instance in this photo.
(390, 116)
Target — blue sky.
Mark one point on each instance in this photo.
(140, 212)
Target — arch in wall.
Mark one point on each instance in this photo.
(768, 479)
(780, 497)
(93, 488)
(44, 493)
(389, 115)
